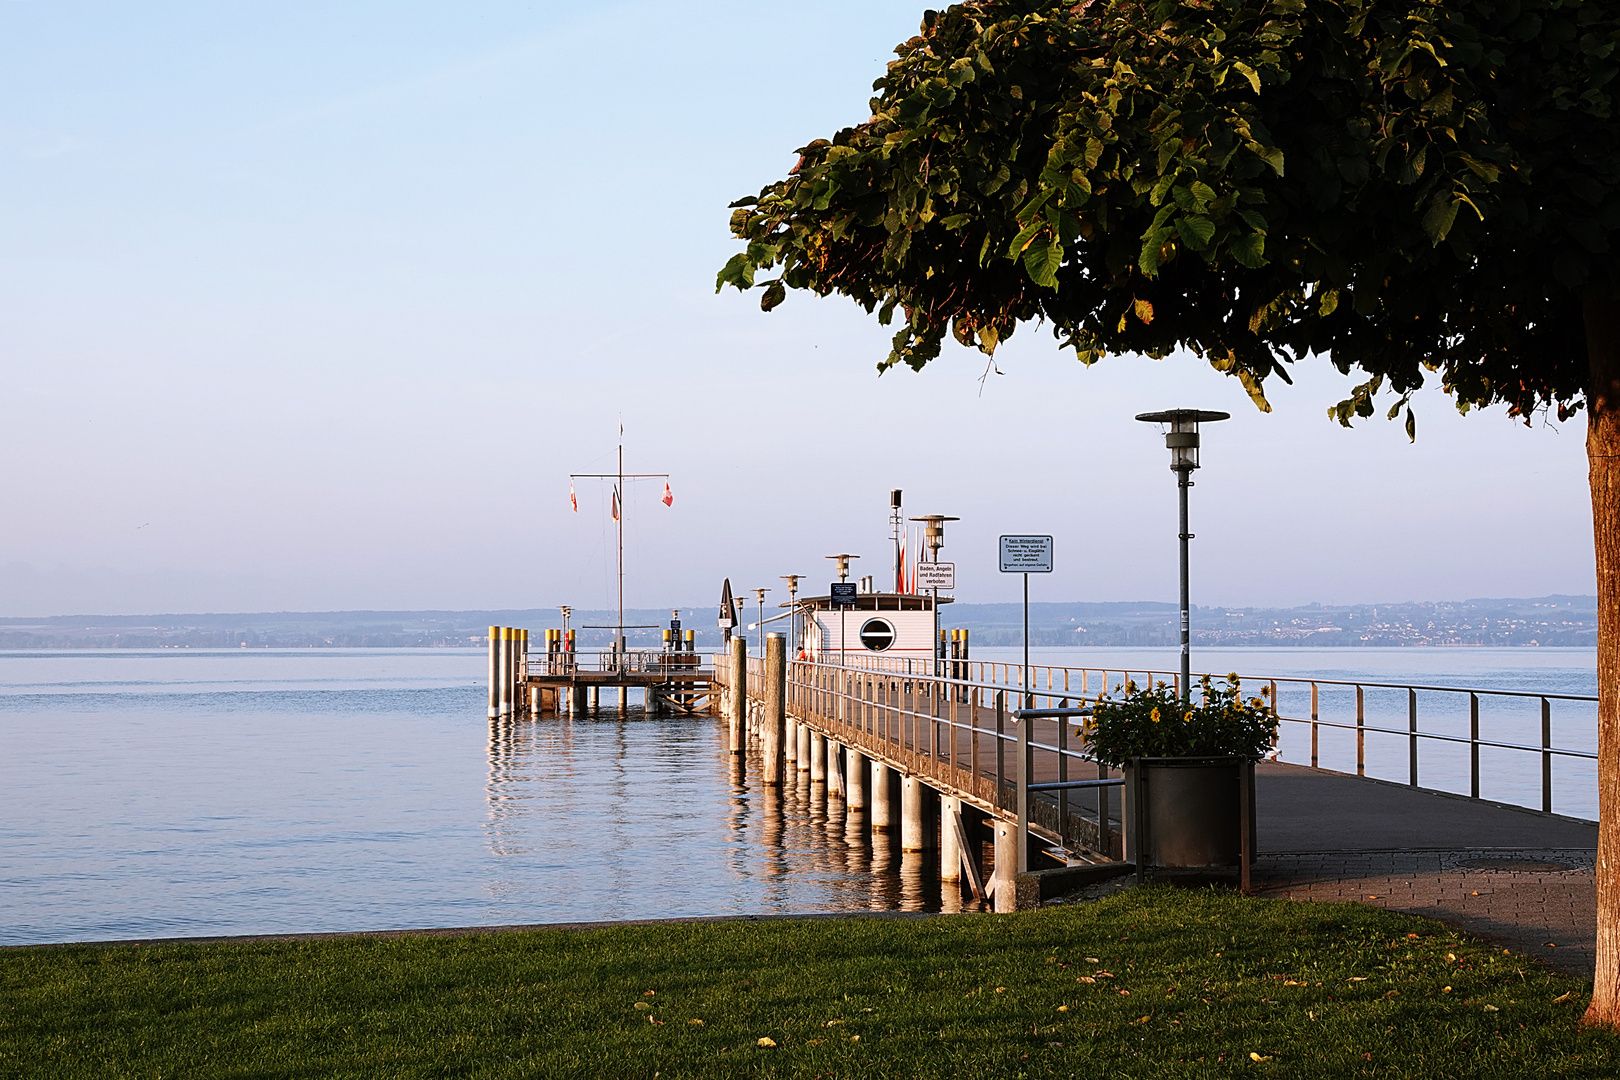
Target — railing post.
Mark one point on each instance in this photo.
(1412, 738)
(1473, 745)
(1361, 731)
(1001, 744)
(1315, 718)
(1546, 756)
(1063, 773)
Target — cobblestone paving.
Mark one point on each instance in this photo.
(1542, 902)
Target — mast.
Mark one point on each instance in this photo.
(619, 495)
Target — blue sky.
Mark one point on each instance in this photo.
(317, 306)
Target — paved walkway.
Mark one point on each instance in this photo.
(1510, 875)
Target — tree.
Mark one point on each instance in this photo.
(1412, 190)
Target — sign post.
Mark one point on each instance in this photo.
(1025, 555)
(842, 597)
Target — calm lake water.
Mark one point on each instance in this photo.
(187, 792)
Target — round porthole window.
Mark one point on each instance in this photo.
(877, 634)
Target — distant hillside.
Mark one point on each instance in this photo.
(1547, 620)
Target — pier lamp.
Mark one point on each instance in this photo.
(759, 597)
(933, 540)
(1181, 437)
(793, 612)
(842, 561)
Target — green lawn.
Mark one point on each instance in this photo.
(1149, 982)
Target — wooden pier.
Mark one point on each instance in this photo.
(671, 681)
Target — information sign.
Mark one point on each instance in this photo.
(1026, 554)
(842, 593)
(936, 575)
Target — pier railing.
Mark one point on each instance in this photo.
(1530, 748)
(629, 662)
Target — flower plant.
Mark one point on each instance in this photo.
(1152, 721)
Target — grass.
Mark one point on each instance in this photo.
(1151, 982)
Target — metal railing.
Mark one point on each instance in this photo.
(1494, 728)
(629, 662)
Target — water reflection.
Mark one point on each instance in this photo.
(629, 814)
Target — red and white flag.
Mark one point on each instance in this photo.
(900, 571)
(669, 496)
(573, 500)
(615, 504)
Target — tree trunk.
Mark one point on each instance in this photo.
(1602, 312)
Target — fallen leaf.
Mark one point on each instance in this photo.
(1063, 1008)
(1445, 989)
(1358, 978)
(643, 1006)
(1565, 996)
(698, 1023)
(1451, 956)
(767, 1041)
(1000, 989)
(1124, 993)
(832, 1023)
(1258, 1057)
(854, 1038)
(649, 993)
(1092, 960)
(1492, 1008)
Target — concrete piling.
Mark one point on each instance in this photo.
(790, 744)
(737, 715)
(855, 779)
(950, 851)
(1005, 881)
(916, 833)
(624, 699)
(494, 672)
(882, 803)
(818, 758)
(775, 720)
(803, 756)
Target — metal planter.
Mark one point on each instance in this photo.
(1190, 818)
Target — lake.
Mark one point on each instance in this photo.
(191, 792)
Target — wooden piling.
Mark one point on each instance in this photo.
(494, 672)
(775, 720)
(737, 714)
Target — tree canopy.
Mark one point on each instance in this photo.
(1407, 188)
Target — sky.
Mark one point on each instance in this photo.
(315, 306)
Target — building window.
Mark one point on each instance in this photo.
(877, 634)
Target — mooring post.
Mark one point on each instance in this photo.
(882, 805)
(737, 715)
(950, 850)
(1006, 883)
(855, 779)
(506, 671)
(494, 672)
(775, 706)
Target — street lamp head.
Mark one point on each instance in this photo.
(792, 580)
(934, 532)
(1182, 435)
(842, 561)
(759, 594)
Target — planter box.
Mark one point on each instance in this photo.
(1190, 818)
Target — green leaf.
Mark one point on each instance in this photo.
(775, 293)
(1248, 73)
(738, 271)
(1440, 216)
(1041, 262)
(1195, 231)
(1025, 236)
(1250, 250)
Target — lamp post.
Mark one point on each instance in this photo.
(563, 645)
(1182, 440)
(793, 612)
(759, 597)
(841, 560)
(933, 540)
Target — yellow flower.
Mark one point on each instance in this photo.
(1186, 718)
(1155, 715)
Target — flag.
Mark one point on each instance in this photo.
(900, 571)
(573, 500)
(615, 504)
(669, 496)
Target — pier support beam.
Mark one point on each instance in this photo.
(804, 748)
(790, 747)
(916, 833)
(775, 706)
(854, 779)
(624, 699)
(594, 696)
(576, 700)
(494, 672)
(818, 758)
(1005, 881)
(737, 715)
